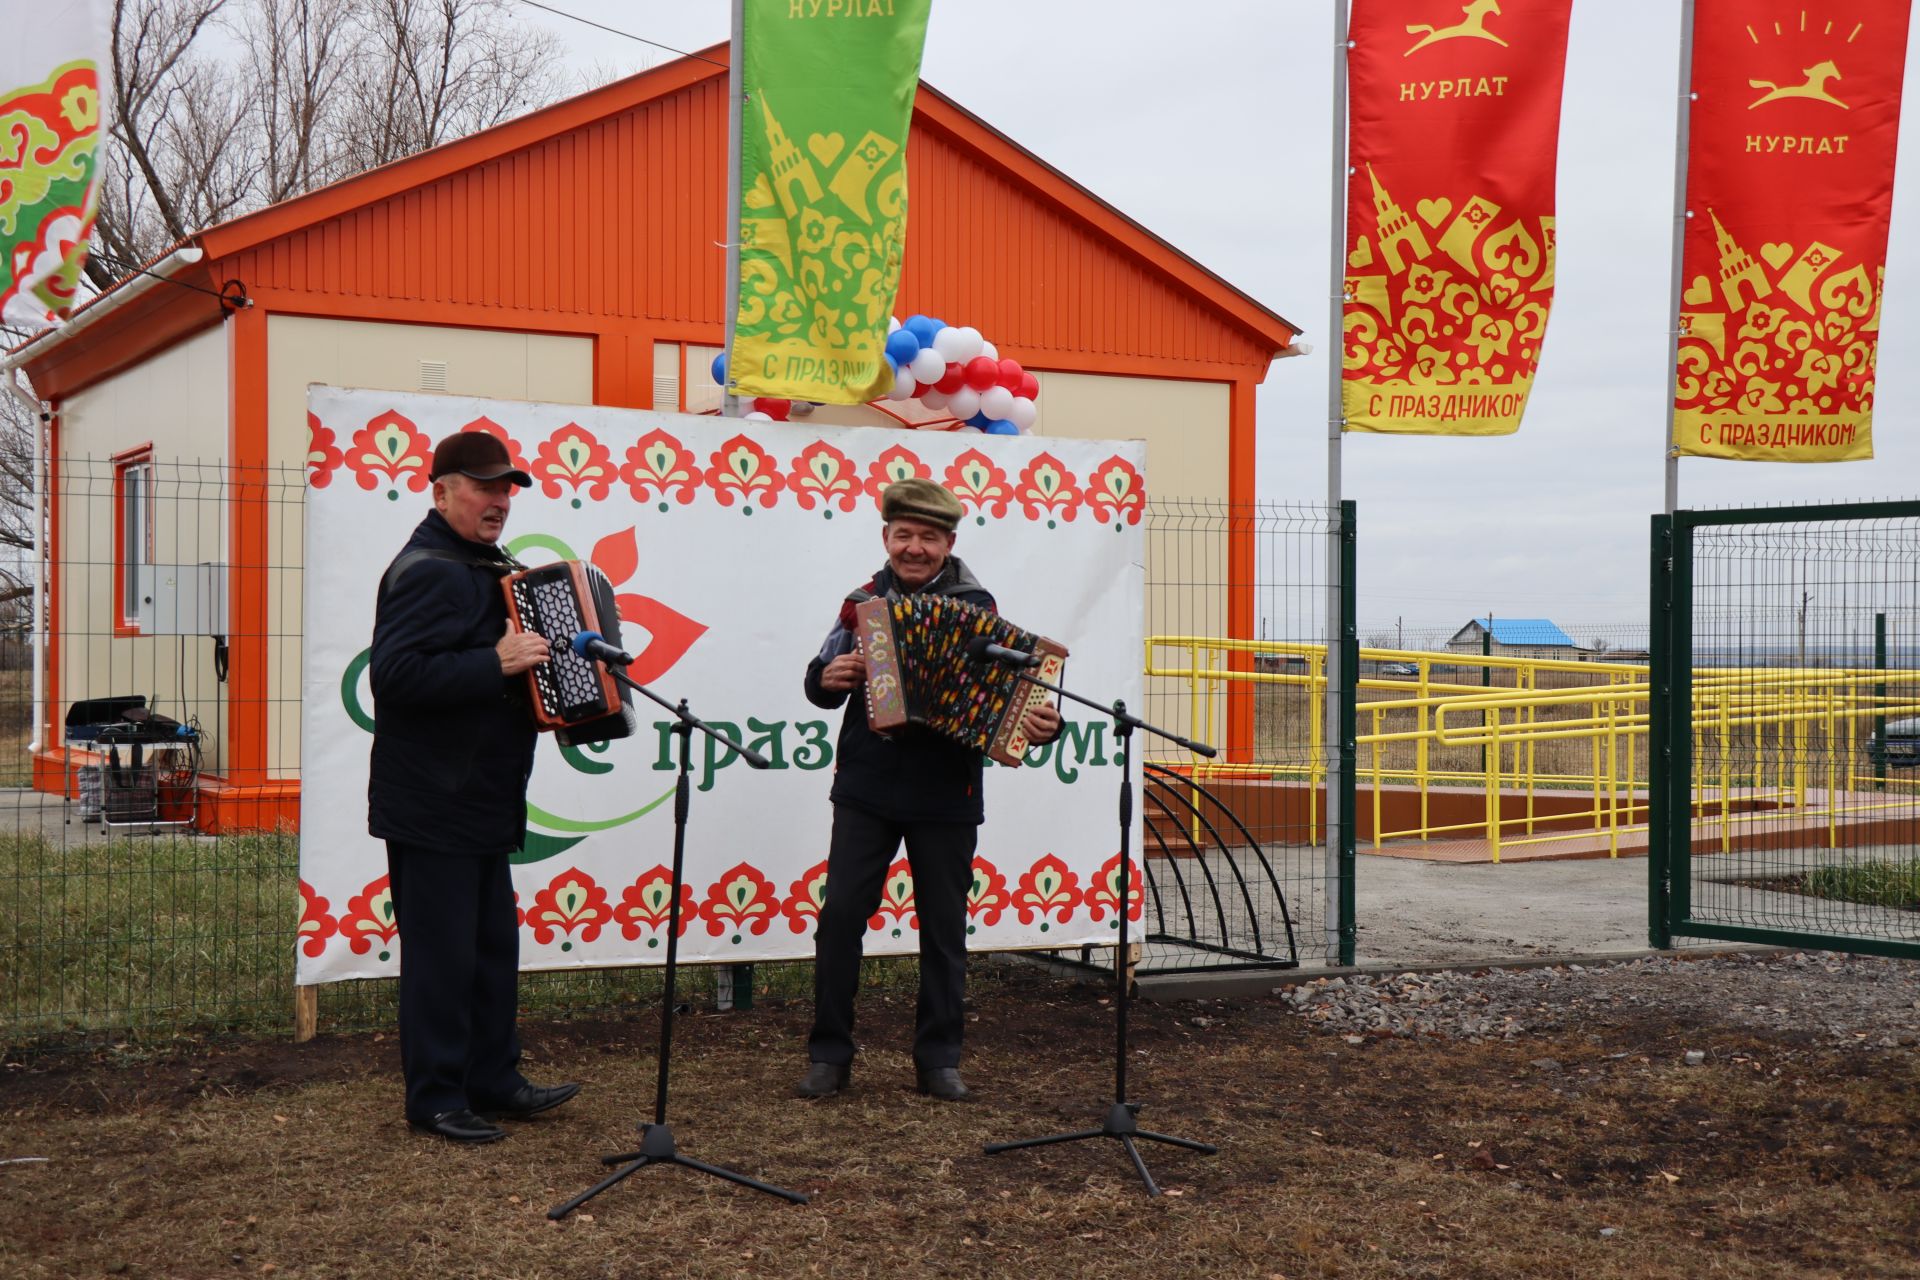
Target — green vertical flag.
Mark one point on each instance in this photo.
(829, 90)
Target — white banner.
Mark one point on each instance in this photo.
(731, 545)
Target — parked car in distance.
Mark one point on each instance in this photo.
(1903, 743)
(1400, 670)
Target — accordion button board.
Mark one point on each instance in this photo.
(554, 601)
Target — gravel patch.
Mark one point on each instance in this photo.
(1830, 999)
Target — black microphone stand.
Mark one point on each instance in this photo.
(656, 1139)
(1120, 1122)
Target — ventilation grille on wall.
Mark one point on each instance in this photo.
(433, 375)
(666, 393)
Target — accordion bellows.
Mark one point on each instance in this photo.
(921, 670)
(571, 694)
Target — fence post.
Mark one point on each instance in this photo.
(1659, 744)
(1880, 702)
(1349, 723)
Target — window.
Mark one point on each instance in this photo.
(132, 536)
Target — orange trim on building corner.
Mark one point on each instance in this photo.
(249, 543)
(1241, 556)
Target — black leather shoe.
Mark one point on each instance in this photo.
(824, 1079)
(460, 1126)
(529, 1100)
(945, 1084)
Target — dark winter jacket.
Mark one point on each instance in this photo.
(453, 738)
(910, 774)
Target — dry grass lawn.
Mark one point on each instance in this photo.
(1390, 1158)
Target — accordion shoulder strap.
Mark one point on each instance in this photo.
(408, 559)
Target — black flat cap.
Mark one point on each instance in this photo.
(476, 454)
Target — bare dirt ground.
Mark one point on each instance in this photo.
(1584, 1146)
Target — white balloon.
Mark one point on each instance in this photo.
(757, 416)
(904, 387)
(996, 402)
(893, 324)
(949, 342)
(929, 365)
(964, 403)
(971, 344)
(1021, 413)
(990, 351)
(933, 398)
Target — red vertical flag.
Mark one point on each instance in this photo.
(1795, 114)
(1453, 128)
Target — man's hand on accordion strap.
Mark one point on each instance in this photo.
(848, 671)
(1042, 723)
(520, 650)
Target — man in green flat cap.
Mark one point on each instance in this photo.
(910, 785)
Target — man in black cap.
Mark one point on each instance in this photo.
(453, 746)
(910, 785)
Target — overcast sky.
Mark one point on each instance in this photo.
(1212, 125)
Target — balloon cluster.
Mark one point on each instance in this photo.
(952, 368)
(948, 369)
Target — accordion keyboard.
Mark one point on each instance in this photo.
(567, 680)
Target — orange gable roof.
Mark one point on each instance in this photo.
(606, 211)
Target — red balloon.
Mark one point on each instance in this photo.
(982, 373)
(1029, 386)
(951, 380)
(775, 409)
(1010, 374)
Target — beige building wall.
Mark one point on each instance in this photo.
(177, 402)
(388, 357)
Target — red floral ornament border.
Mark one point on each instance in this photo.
(390, 454)
(575, 910)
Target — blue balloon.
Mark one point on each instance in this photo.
(720, 368)
(1001, 427)
(979, 419)
(923, 328)
(903, 344)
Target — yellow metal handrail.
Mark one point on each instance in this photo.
(1768, 715)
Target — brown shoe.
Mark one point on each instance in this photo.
(945, 1084)
(824, 1079)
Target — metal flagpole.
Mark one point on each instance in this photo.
(730, 406)
(1682, 130)
(1336, 429)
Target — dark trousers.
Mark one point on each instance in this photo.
(941, 855)
(459, 977)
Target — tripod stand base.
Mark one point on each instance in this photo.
(1120, 1124)
(656, 1147)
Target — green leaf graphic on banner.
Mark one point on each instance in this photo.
(540, 846)
(545, 819)
(350, 690)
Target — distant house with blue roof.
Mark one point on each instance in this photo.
(1515, 638)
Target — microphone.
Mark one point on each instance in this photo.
(591, 644)
(980, 647)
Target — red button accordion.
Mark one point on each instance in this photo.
(920, 670)
(574, 696)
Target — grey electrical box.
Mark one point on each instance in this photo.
(183, 599)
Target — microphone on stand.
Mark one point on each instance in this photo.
(981, 647)
(591, 644)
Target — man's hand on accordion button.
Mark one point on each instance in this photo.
(520, 650)
(845, 672)
(1042, 723)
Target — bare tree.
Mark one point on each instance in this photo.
(223, 106)
(436, 70)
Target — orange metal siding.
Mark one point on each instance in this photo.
(623, 220)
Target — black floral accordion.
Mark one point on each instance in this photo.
(922, 669)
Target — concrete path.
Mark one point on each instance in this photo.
(1432, 912)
